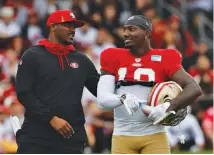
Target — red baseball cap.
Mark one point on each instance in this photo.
(61, 16)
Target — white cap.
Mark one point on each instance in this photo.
(7, 11)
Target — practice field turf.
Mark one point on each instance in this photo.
(187, 152)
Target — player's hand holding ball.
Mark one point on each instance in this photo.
(159, 101)
(158, 113)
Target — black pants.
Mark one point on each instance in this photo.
(27, 148)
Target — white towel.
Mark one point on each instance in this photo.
(14, 120)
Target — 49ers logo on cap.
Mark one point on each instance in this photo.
(74, 65)
(72, 15)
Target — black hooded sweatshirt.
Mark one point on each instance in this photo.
(45, 90)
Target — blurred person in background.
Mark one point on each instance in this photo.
(96, 5)
(194, 27)
(118, 36)
(40, 6)
(49, 7)
(14, 106)
(79, 10)
(201, 49)
(21, 12)
(5, 135)
(82, 5)
(18, 45)
(96, 19)
(124, 7)
(203, 74)
(7, 89)
(99, 128)
(183, 40)
(3, 77)
(96, 8)
(169, 40)
(140, 5)
(103, 41)
(198, 13)
(9, 30)
(159, 26)
(110, 17)
(207, 125)
(194, 138)
(7, 138)
(32, 31)
(204, 114)
(10, 63)
(45, 7)
(196, 6)
(8, 26)
(85, 37)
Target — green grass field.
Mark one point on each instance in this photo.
(187, 152)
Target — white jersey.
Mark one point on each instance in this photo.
(138, 124)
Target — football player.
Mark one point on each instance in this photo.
(127, 78)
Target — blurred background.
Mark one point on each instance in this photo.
(186, 25)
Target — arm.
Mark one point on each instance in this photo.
(92, 79)
(175, 72)
(25, 78)
(191, 90)
(106, 87)
(106, 98)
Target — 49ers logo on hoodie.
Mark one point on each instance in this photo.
(74, 65)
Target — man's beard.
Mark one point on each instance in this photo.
(63, 41)
(133, 49)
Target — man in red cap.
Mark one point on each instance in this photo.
(49, 84)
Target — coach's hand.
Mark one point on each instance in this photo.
(62, 127)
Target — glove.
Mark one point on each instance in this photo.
(131, 103)
(158, 114)
(14, 120)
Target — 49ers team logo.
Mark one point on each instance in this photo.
(74, 65)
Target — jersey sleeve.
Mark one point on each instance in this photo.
(108, 61)
(172, 62)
